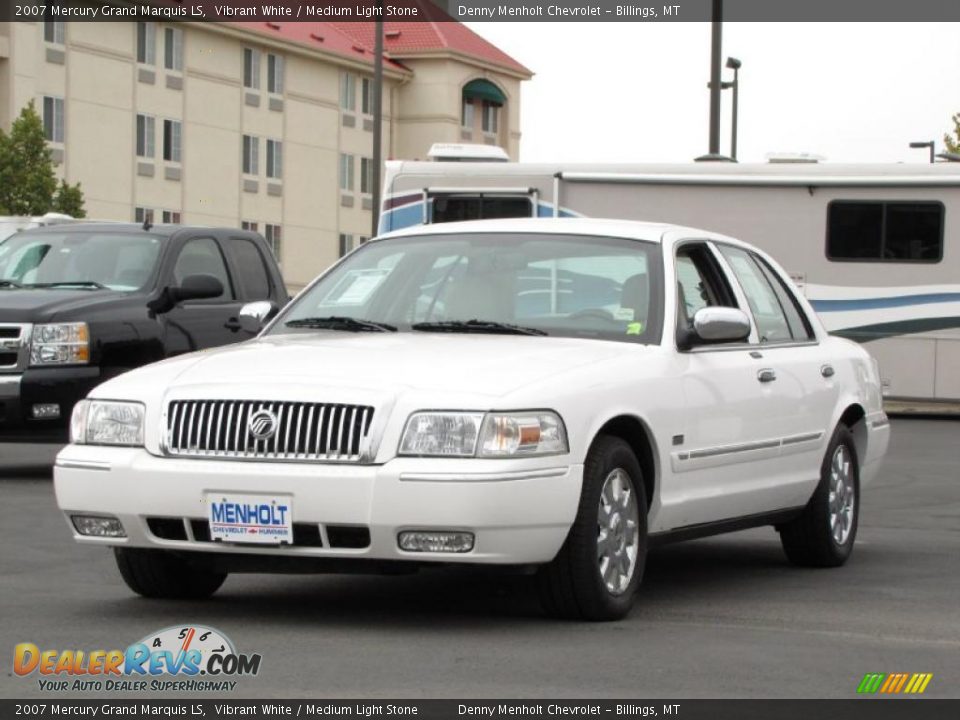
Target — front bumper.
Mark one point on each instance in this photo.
(519, 510)
(20, 392)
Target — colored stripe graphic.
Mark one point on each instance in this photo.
(823, 306)
(894, 683)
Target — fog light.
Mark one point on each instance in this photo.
(441, 542)
(98, 526)
(46, 411)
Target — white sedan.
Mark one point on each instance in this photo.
(560, 395)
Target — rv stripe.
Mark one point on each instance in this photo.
(903, 679)
(888, 683)
(877, 680)
(866, 683)
(912, 684)
(926, 681)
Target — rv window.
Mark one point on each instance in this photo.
(478, 207)
(885, 231)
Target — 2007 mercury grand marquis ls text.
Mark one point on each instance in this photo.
(553, 394)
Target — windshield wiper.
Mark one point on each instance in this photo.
(335, 322)
(10, 283)
(477, 326)
(92, 284)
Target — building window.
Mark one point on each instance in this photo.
(53, 119)
(346, 243)
(346, 172)
(348, 92)
(894, 232)
(363, 239)
(366, 96)
(273, 234)
(172, 133)
(275, 74)
(173, 49)
(247, 225)
(491, 117)
(274, 159)
(466, 114)
(251, 68)
(251, 155)
(54, 31)
(146, 131)
(366, 175)
(143, 215)
(146, 43)
(171, 217)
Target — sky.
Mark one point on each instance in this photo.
(637, 92)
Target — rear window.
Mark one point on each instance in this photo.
(454, 208)
(895, 232)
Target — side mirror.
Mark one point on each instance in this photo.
(197, 287)
(717, 325)
(253, 316)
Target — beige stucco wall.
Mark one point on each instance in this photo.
(101, 83)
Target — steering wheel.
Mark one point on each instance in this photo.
(598, 313)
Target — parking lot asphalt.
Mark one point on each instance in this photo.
(720, 617)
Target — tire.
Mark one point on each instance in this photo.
(824, 533)
(162, 574)
(573, 586)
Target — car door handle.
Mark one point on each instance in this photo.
(233, 324)
(766, 375)
(827, 371)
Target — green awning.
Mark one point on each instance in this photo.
(485, 90)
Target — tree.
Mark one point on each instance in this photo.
(953, 143)
(28, 185)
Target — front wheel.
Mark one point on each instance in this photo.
(824, 533)
(162, 574)
(598, 570)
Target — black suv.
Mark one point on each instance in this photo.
(82, 303)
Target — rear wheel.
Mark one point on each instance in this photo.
(824, 533)
(598, 570)
(162, 574)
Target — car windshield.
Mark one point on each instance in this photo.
(96, 260)
(492, 283)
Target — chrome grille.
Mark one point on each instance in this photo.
(301, 431)
(14, 346)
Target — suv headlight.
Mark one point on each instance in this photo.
(107, 422)
(486, 435)
(60, 344)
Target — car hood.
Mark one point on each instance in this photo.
(32, 305)
(380, 363)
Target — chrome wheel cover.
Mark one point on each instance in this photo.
(842, 498)
(618, 538)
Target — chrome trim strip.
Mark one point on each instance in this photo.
(748, 447)
(805, 437)
(483, 477)
(83, 464)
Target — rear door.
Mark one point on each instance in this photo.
(197, 324)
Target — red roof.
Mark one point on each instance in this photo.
(401, 39)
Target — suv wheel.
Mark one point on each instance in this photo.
(162, 574)
(824, 533)
(598, 570)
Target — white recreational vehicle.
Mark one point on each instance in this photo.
(875, 248)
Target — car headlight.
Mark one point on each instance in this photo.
(487, 435)
(107, 422)
(60, 344)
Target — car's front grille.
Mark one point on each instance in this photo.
(13, 346)
(265, 430)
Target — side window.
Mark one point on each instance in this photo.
(254, 277)
(800, 327)
(700, 283)
(768, 312)
(202, 256)
(882, 231)
(453, 208)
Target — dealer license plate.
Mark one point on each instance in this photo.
(263, 519)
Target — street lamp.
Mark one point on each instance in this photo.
(734, 65)
(920, 145)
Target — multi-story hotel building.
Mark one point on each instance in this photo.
(260, 124)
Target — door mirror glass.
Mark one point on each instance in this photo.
(720, 324)
(197, 287)
(253, 316)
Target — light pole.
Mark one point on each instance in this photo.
(377, 118)
(734, 65)
(716, 43)
(931, 144)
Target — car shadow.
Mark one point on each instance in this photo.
(455, 596)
